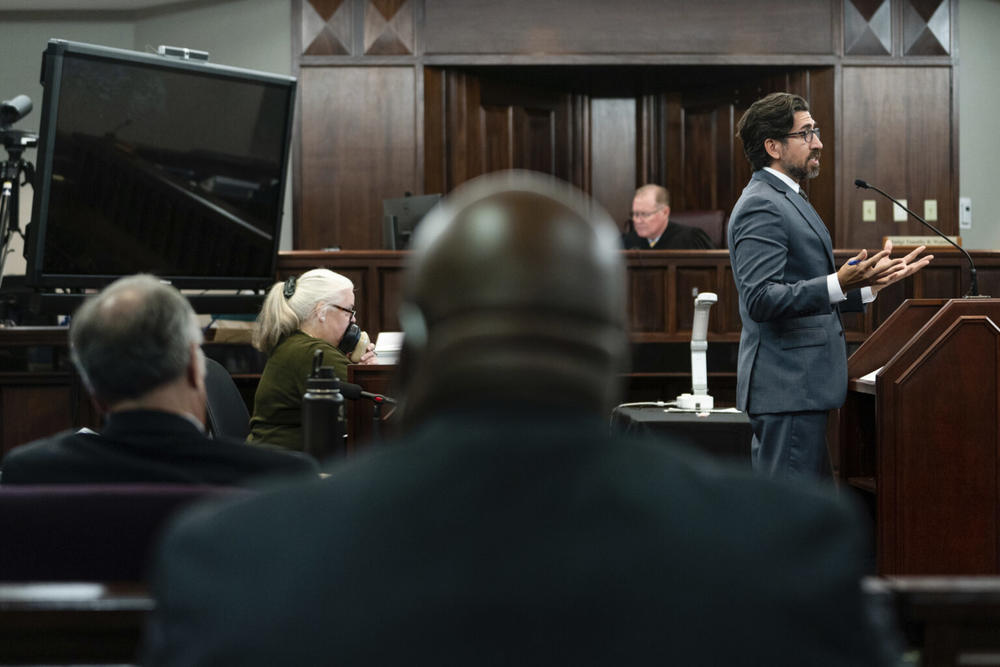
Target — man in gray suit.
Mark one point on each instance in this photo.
(792, 367)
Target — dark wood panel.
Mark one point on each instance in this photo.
(359, 146)
(435, 159)
(868, 27)
(647, 307)
(535, 145)
(698, 171)
(821, 93)
(389, 28)
(898, 136)
(660, 283)
(498, 137)
(691, 281)
(643, 27)
(613, 149)
(463, 126)
(38, 404)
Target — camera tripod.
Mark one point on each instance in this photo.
(11, 171)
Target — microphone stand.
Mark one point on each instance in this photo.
(354, 392)
(378, 400)
(973, 281)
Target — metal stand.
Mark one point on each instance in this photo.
(11, 170)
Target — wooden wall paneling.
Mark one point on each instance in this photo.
(613, 149)
(700, 149)
(823, 108)
(647, 309)
(357, 122)
(926, 27)
(741, 169)
(389, 27)
(36, 404)
(897, 134)
(691, 280)
(725, 190)
(943, 281)
(477, 27)
(579, 132)
(671, 128)
(647, 151)
(463, 128)
(989, 280)
(498, 137)
(535, 147)
(565, 151)
(435, 131)
(727, 311)
(868, 27)
(326, 27)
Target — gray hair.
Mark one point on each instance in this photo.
(281, 315)
(660, 194)
(132, 337)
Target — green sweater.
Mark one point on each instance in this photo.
(277, 406)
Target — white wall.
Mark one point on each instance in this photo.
(253, 34)
(979, 134)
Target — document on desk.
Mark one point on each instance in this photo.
(388, 345)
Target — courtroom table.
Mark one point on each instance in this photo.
(725, 435)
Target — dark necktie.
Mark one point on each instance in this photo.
(803, 193)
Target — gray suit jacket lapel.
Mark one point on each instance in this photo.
(806, 210)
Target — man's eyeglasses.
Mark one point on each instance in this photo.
(806, 135)
(352, 310)
(645, 215)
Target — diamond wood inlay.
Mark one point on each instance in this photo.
(926, 28)
(867, 27)
(389, 27)
(326, 27)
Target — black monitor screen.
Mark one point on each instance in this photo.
(148, 163)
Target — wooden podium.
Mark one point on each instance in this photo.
(922, 441)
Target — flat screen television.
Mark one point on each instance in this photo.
(150, 163)
(400, 217)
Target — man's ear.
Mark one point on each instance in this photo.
(195, 372)
(772, 148)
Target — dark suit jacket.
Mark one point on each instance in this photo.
(536, 541)
(146, 446)
(675, 237)
(792, 356)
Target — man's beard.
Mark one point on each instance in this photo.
(801, 173)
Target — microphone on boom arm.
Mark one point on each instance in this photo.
(354, 392)
(973, 281)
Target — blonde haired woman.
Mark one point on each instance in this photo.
(314, 311)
